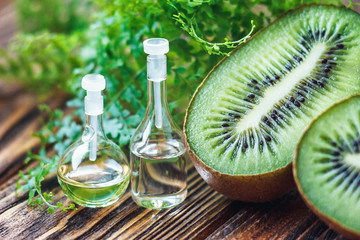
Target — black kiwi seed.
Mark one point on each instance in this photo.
(245, 145)
(338, 165)
(226, 120)
(324, 61)
(310, 32)
(356, 146)
(256, 88)
(226, 132)
(251, 95)
(302, 43)
(227, 137)
(261, 142)
(273, 116)
(272, 82)
(288, 67)
(250, 85)
(254, 81)
(335, 153)
(340, 46)
(353, 179)
(347, 172)
(225, 125)
(234, 115)
(297, 103)
(267, 138)
(314, 81)
(321, 84)
(327, 70)
(317, 32)
(275, 112)
(268, 123)
(292, 99)
(302, 100)
(276, 77)
(338, 36)
(265, 118)
(268, 78)
(335, 160)
(333, 143)
(323, 33)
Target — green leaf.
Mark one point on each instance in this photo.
(50, 210)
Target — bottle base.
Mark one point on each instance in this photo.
(159, 201)
(96, 205)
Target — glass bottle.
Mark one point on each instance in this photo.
(93, 171)
(157, 149)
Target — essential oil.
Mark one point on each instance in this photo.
(102, 187)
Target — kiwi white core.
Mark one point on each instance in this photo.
(277, 92)
(353, 160)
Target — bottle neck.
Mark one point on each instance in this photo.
(157, 94)
(96, 123)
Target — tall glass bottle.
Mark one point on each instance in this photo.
(93, 171)
(158, 152)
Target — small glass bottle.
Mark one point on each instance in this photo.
(157, 149)
(93, 171)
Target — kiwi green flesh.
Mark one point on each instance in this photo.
(327, 164)
(249, 112)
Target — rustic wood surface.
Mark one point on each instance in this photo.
(205, 214)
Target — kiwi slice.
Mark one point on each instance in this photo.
(327, 167)
(245, 118)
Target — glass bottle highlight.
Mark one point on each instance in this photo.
(157, 149)
(93, 172)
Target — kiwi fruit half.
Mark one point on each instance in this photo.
(327, 167)
(244, 120)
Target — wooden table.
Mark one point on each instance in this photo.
(205, 214)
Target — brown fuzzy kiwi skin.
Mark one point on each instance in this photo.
(333, 224)
(248, 188)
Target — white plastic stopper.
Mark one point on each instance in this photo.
(156, 46)
(94, 102)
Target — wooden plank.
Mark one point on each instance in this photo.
(13, 111)
(17, 138)
(7, 22)
(286, 218)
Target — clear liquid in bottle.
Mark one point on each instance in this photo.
(158, 180)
